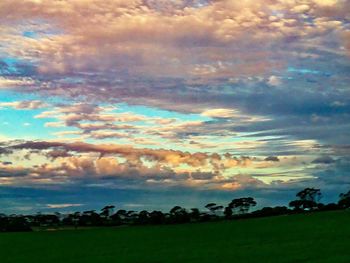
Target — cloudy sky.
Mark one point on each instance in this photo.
(147, 104)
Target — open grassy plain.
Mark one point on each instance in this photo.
(316, 237)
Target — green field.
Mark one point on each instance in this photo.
(317, 237)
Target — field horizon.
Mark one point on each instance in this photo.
(307, 237)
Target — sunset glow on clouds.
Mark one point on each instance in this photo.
(156, 102)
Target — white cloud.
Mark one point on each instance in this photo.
(62, 205)
(220, 113)
(274, 81)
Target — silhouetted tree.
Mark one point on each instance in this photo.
(90, 218)
(242, 205)
(344, 200)
(143, 217)
(179, 215)
(270, 211)
(308, 199)
(195, 214)
(76, 219)
(175, 209)
(310, 194)
(72, 219)
(131, 217)
(45, 220)
(119, 217)
(116, 219)
(122, 213)
(297, 205)
(124, 217)
(14, 223)
(213, 208)
(228, 212)
(329, 207)
(157, 217)
(107, 211)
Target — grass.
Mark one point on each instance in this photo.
(317, 237)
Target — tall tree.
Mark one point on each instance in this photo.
(213, 208)
(310, 194)
(143, 217)
(195, 214)
(308, 199)
(228, 212)
(242, 205)
(179, 215)
(107, 211)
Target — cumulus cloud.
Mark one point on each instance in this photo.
(25, 105)
(346, 38)
(242, 181)
(144, 39)
(8, 83)
(161, 156)
(130, 174)
(151, 49)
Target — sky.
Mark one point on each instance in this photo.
(147, 104)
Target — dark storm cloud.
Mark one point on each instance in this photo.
(324, 160)
(272, 159)
(4, 151)
(6, 163)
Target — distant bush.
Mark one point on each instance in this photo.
(14, 224)
(271, 211)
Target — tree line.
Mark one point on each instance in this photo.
(307, 200)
